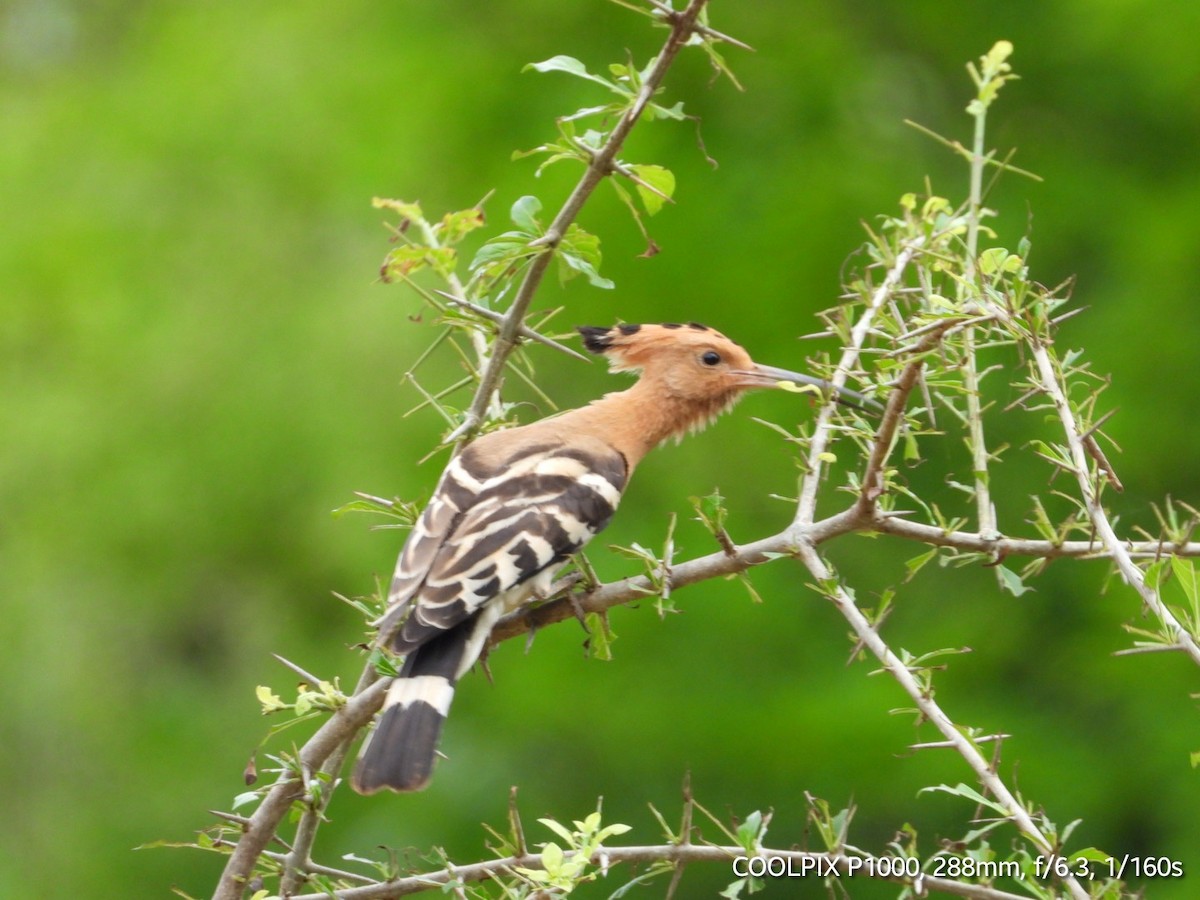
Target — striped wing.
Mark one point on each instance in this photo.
(496, 521)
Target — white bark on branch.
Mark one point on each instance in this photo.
(806, 508)
(1090, 489)
(930, 710)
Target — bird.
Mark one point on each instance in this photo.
(513, 505)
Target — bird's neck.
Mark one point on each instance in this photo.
(637, 420)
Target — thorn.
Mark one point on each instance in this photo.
(498, 319)
(577, 608)
(307, 676)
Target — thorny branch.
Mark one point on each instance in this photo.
(865, 631)
(683, 25)
(1089, 488)
(340, 728)
(800, 540)
(330, 744)
(680, 854)
(814, 462)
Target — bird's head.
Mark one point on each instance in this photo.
(694, 364)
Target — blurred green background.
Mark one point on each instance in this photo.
(197, 364)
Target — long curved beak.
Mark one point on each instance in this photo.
(769, 376)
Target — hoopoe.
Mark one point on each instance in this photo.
(513, 505)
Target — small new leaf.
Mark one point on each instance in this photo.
(524, 214)
(751, 832)
(1011, 581)
(270, 701)
(600, 637)
(658, 186)
(571, 66)
(579, 253)
(968, 793)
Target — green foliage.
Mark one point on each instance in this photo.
(566, 867)
(181, 409)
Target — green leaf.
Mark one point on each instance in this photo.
(992, 259)
(524, 214)
(912, 450)
(506, 246)
(571, 66)
(1185, 574)
(674, 113)
(552, 858)
(559, 829)
(1011, 581)
(600, 636)
(917, 563)
(968, 793)
(406, 211)
(270, 701)
(247, 797)
(577, 264)
(613, 830)
(710, 511)
(405, 261)
(748, 831)
(659, 179)
(457, 225)
(579, 253)
(1093, 853)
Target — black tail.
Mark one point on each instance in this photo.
(400, 754)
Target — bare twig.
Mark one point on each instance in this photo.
(893, 418)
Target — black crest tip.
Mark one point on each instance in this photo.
(596, 338)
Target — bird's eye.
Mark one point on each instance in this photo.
(710, 357)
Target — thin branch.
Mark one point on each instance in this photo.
(607, 596)
(972, 542)
(814, 463)
(682, 24)
(340, 727)
(865, 631)
(524, 330)
(1090, 491)
(984, 509)
(478, 341)
(893, 418)
(312, 868)
(680, 854)
(667, 11)
(298, 862)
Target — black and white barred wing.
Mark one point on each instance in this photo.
(454, 494)
(491, 529)
(503, 546)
